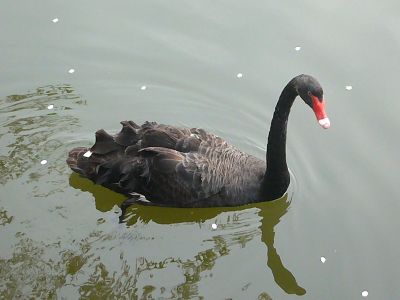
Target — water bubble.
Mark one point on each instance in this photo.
(348, 87)
(297, 48)
(239, 75)
(364, 293)
(214, 226)
(43, 162)
(55, 20)
(51, 106)
(323, 259)
(143, 87)
(71, 71)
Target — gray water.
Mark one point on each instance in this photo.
(59, 233)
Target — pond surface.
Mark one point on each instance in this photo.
(69, 68)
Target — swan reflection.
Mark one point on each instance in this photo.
(233, 228)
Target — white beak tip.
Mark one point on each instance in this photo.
(325, 123)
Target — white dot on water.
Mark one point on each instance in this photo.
(71, 71)
(298, 48)
(364, 293)
(87, 154)
(239, 75)
(43, 162)
(348, 87)
(143, 87)
(55, 20)
(214, 226)
(51, 106)
(323, 259)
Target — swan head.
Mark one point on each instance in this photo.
(309, 89)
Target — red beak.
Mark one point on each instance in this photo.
(319, 110)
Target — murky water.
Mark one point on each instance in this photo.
(59, 233)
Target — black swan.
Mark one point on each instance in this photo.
(183, 167)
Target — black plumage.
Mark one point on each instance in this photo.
(184, 167)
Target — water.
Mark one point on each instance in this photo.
(178, 62)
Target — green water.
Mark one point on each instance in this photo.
(59, 234)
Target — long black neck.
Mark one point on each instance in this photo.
(276, 179)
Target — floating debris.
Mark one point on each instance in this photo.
(297, 48)
(323, 259)
(239, 75)
(43, 162)
(71, 71)
(87, 154)
(348, 87)
(214, 226)
(143, 87)
(51, 106)
(55, 20)
(364, 293)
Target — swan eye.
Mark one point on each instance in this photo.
(309, 93)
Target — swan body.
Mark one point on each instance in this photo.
(184, 167)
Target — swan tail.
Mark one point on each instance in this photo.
(73, 157)
(112, 161)
(115, 170)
